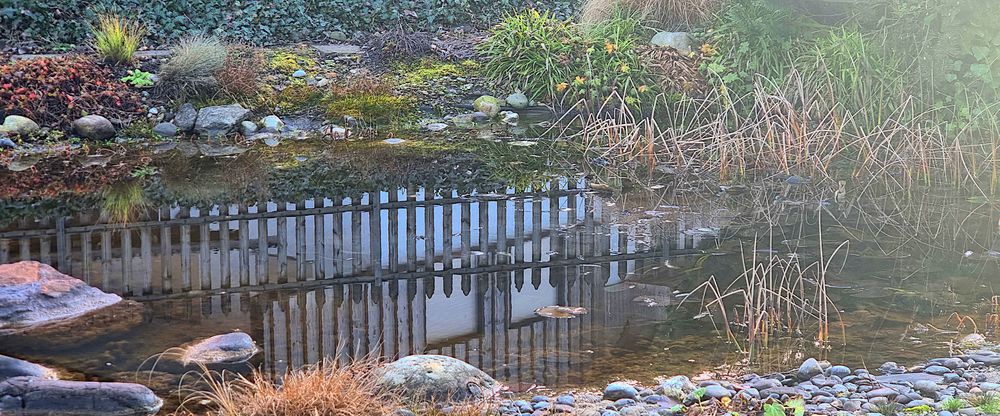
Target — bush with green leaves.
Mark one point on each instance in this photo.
(256, 22)
(550, 58)
(532, 51)
(750, 38)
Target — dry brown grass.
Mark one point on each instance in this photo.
(242, 74)
(664, 14)
(326, 388)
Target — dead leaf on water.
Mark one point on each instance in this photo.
(561, 312)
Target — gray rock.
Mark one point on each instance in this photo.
(234, 347)
(299, 73)
(677, 40)
(620, 390)
(676, 387)
(839, 371)
(165, 130)
(94, 127)
(927, 388)
(488, 105)
(337, 49)
(272, 124)
(11, 367)
(437, 378)
(882, 392)
(717, 392)
(6, 143)
(810, 368)
(937, 370)
(33, 396)
(972, 341)
(18, 126)
(248, 128)
(32, 293)
(890, 367)
(509, 117)
(185, 118)
(518, 100)
(219, 120)
(435, 126)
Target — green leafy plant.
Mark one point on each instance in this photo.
(612, 62)
(193, 66)
(774, 409)
(953, 404)
(138, 78)
(988, 402)
(749, 38)
(699, 393)
(531, 51)
(888, 408)
(116, 38)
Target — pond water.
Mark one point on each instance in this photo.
(460, 271)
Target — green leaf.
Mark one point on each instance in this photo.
(774, 409)
(982, 71)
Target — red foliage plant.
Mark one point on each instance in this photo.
(56, 91)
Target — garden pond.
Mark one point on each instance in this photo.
(349, 250)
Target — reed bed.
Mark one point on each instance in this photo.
(785, 129)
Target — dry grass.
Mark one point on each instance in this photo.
(326, 388)
(664, 14)
(784, 129)
(242, 74)
(193, 65)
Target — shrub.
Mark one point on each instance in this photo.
(193, 65)
(612, 62)
(396, 44)
(56, 91)
(666, 14)
(116, 38)
(749, 39)
(241, 75)
(325, 388)
(531, 51)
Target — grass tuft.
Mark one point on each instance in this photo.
(116, 38)
(193, 66)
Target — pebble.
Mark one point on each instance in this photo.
(620, 390)
(810, 368)
(300, 73)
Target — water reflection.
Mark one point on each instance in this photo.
(388, 273)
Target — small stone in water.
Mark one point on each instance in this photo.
(562, 312)
(394, 140)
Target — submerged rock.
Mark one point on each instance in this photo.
(234, 347)
(438, 379)
(33, 396)
(32, 293)
(94, 127)
(220, 120)
(18, 126)
(11, 367)
(510, 117)
(248, 128)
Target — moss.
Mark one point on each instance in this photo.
(287, 62)
(298, 98)
(427, 69)
(374, 108)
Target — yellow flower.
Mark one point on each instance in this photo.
(643, 88)
(579, 80)
(610, 47)
(561, 86)
(624, 68)
(726, 402)
(707, 49)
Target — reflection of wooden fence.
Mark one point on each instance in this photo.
(496, 332)
(192, 250)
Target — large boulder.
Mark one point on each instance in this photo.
(234, 347)
(18, 126)
(11, 367)
(185, 117)
(29, 396)
(94, 127)
(219, 120)
(32, 293)
(677, 40)
(437, 379)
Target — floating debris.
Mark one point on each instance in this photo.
(652, 300)
(523, 143)
(560, 312)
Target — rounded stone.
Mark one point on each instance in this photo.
(620, 390)
(677, 40)
(32, 293)
(18, 126)
(234, 347)
(518, 100)
(488, 105)
(33, 396)
(839, 371)
(437, 378)
(165, 130)
(810, 368)
(11, 367)
(94, 127)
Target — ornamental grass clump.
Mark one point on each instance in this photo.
(532, 51)
(325, 388)
(193, 66)
(664, 14)
(116, 38)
